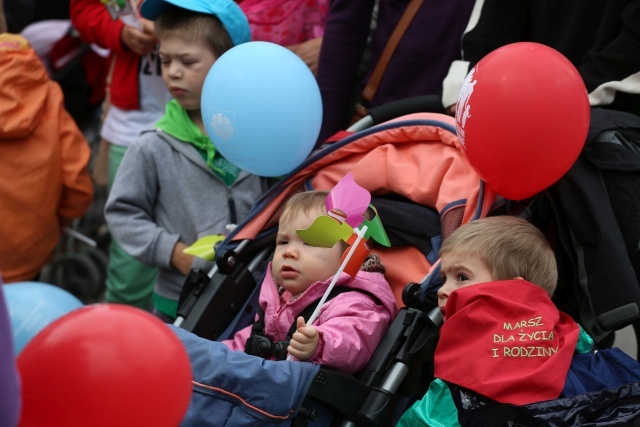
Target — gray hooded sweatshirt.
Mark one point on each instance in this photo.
(163, 193)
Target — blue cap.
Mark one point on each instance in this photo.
(227, 11)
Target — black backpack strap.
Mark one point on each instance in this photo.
(258, 344)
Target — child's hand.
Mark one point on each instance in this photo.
(137, 40)
(304, 341)
(179, 260)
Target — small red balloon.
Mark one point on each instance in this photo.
(522, 117)
(105, 365)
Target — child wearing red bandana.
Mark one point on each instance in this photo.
(503, 337)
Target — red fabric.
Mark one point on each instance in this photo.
(285, 22)
(357, 258)
(92, 20)
(506, 340)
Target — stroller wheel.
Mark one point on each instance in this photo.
(77, 273)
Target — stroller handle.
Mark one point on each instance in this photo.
(391, 110)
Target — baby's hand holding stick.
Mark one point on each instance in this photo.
(360, 232)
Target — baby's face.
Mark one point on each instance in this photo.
(297, 265)
(458, 271)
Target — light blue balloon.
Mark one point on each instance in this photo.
(261, 107)
(32, 306)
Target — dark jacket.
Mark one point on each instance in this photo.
(417, 67)
(599, 37)
(592, 215)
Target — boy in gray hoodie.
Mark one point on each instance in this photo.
(174, 187)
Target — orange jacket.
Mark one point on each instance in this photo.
(44, 159)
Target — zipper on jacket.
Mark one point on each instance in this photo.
(233, 215)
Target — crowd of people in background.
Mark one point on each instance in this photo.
(363, 53)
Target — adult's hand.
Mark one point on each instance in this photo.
(139, 41)
(309, 52)
(451, 110)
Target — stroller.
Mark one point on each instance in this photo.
(384, 159)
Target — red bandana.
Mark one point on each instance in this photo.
(506, 340)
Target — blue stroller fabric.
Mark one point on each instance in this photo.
(601, 389)
(235, 389)
(606, 369)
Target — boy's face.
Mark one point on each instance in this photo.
(458, 271)
(296, 265)
(185, 65)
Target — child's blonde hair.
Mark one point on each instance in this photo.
(304, 203)
(194, 26)
(509, 246)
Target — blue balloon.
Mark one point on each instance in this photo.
(32, 306)
(261, 107)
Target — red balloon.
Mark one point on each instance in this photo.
(105, 365)
(522, 117)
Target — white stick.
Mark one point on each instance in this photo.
(360, 233)
(73, 233)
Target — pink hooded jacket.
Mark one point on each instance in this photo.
(351, 325)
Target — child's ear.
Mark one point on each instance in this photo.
(518, 278)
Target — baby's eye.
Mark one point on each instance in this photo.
(281, 242)
(462, 278)
(443, 278)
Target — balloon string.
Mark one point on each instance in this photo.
(358, 232)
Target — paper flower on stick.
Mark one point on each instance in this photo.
(346, 205)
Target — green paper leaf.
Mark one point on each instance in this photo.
(204, 247)
(325, 232)
(376, 230)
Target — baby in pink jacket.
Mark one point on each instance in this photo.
(350, 325)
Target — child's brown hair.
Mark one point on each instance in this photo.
(194, 26)
(510, 247)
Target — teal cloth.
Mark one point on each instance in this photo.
(177, 123)
(165, 305)
(436, 409)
